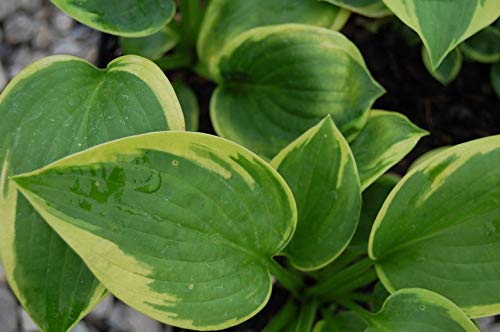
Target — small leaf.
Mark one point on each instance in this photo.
(443, 25)
(189, 104)
(277, 82)
(495, 78)
(373, 198)
(127, 18)
(417, 310)
(181, 226)
(383, 142)
(370, 8)
(484, 46)
(320, 170)
(439, 228)
(448, 70)
(152, 47)
(55, 107)
(226, 19)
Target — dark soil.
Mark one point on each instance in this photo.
(464, 110)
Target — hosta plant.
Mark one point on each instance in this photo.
(106, 187)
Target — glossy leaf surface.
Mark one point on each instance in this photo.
(443, 24)
(417, 310)
(277, 82)
(439, 228)
(127, 18)
(383, 142)
(484, 46)
(226, 19)
(181, 226)
(370, 8)
(55, 107)
(320, 169)
(448, 70)
(151, 47)
(189, 104)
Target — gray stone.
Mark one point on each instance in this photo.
(138, 322)
(80, 327)
(8, 311)
(3, 279)
(43, 37)
(102, 310)
(62, 23)
(21, 58)
(484, 323)
(19, 28)
(116, 319)
(3, 82)
(27, 323)
(30, 5)
(7, 7)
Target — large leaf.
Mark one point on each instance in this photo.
(277, 82)
(226, 19)
(439, 229)
(383, 142)
(449, 68)
(320, 170)
(484, 46)
(127, 18)
(443, 24)
(370, 8)
(179, 225)
(55, 107)
(418, 310)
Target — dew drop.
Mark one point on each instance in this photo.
(422, 307)
(175, 162)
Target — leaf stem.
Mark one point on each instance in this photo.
(175, 61)
(365, 314)
(282, 318)
(343, 276)
(291, 281)
(307, 315)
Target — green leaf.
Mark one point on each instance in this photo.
(127, 18)
(343, 321)
(321, 171)
(444, 24)
(226, 19)
(55, 107)
(439, 228)
(484, 46)
(417, 310)
(370, 8)
(383, 142)
(495, 78)
(181, 226)
(373, 198)
(189, 104)
(448, 70)
(152, 47)
(277, 82)
(427, 156)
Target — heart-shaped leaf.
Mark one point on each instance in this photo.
(55, 107)
(226, 19)
(370, 8)
(277, 82)
(417, 310)
(448, 70)
(320, 169)
(484, 46)
(439, 229)
(384, 141)
(181, 226)
(444, 24)
(127, 18)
